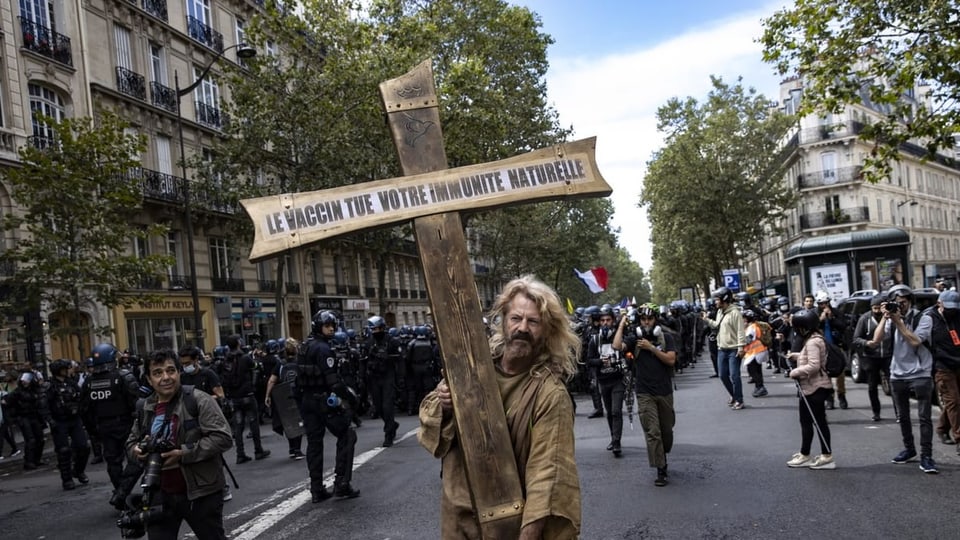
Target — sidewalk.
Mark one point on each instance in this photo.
(14, 465)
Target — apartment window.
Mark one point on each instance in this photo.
(828, 164)
(199, 10)
(879, 211)
(208, 94)
(140, 247)
(48, 103)
(122, 37)
(158, 64)
(221, 265)
(164, 160)
(38, 11)
(175, 250)
(832, 203)
(241, 38)
(271, 48)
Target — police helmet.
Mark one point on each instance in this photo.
(272, 346)
(606, 310)
(377, 324)
(805, 321)
(421, 332)
(393, 332)
(578, 313)
(323, 318)
(27, 378)
(340, 338)
(783, 301)
(593, 312)
(743, 298)
(749, 315)
(104, 354)
(406, 331)
(351, 333)
(59, 365)
(220, 351)
(722, 294)
(898, 291)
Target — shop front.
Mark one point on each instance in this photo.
(168, 323)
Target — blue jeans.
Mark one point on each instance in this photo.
(729, 367)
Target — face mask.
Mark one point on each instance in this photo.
(189, 369)
(951, 313)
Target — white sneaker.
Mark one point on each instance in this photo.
(823, 462)
(799, 460)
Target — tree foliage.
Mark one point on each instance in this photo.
(76, 201)
(715, 187)
(876, 53)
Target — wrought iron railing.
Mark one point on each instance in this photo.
(163, 96)
(157, 8)
(43, 40)
(839, 216)
(319, 288)
(843, 175)
(226, 284)
(41, 142)
(208, 115)
(131, 83)
(293, 287)
(267, 285)
(179, 282)
(201, 32)
(828, 132)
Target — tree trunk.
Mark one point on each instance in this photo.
(280, 314)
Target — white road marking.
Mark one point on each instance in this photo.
(288, 504)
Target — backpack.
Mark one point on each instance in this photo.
(766, 334)
(836, 365)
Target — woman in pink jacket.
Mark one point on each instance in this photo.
(816, 389)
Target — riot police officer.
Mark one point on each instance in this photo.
(69, 438)
(382, 354)
(236, 378)
(421, 357)
(325, 403)
(108, 404)
(27, 407)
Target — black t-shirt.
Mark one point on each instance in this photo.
(202, 379)
(651, 376)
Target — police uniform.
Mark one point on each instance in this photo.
(421, 357)
(382, 354)
(26, 405)
(69, 437)
(108, 400)
(325, 403)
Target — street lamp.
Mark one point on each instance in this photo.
(911, 202)
(243, 51)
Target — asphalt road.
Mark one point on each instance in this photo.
(728, 479)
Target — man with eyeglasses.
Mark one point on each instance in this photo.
(911, 370)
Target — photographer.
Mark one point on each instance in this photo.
(911, 370)
(603, 357)
(874, 359)
(191, 444)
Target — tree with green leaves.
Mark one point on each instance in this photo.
(876, 52)
(715, 188)
(75, 200)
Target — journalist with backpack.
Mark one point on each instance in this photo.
(945, 343)
(814, 388)
(911, 370)
(188, 430)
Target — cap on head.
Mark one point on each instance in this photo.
(949, 299)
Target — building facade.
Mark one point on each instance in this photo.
(72, 58)
(823, 157)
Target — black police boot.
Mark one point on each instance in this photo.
(82, 478)
(241, 459)
(320, 496)
(346, 491)
(261, 454)
(118, 501)
(69, 485)
(597, 413)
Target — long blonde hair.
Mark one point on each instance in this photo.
(561, 343)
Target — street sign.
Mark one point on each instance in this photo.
(731, 279)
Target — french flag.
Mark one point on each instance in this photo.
(595, 279)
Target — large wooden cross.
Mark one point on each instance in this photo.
(432, 197)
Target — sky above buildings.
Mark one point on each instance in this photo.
(614, 62)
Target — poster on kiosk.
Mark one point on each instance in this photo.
(832, 279)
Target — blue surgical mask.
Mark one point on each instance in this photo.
(189, 369)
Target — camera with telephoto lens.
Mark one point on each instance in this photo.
(141, 510)
(891, 307)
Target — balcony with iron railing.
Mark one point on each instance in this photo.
(371, 292)
(163, 96)
(843, 175)
(353, 290)
(226, 284)
(203, 33)
(319, 288)
(156, 185)
(157, 8)
(293, 287)
(267, 285)
(342, 290)
(42, 143)
(131, 83)
(42, 40)
(830, 132)
(150, 283)
(838, 216)
(179, 282)
(209, 115)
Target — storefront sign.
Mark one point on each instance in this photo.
(831, 279)
(167, 304)
(357, 304)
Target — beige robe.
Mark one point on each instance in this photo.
(548, 472)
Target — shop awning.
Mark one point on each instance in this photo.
(850, 241)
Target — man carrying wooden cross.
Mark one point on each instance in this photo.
(534, 350)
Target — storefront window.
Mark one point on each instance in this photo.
(148, 335)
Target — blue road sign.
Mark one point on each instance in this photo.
(731, 279)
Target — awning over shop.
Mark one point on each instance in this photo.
(850, 241)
